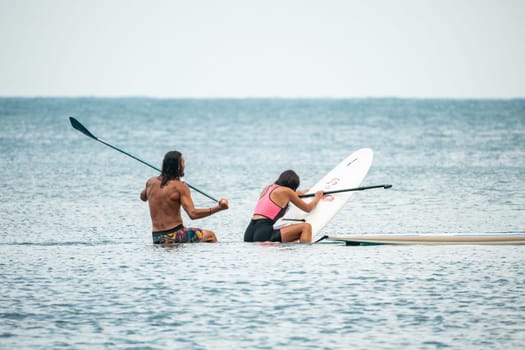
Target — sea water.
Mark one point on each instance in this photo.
(78, 268)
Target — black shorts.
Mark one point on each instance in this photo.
(261, 230)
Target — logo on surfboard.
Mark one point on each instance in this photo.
(334, 181)
(350, 162)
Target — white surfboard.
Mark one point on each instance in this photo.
(444, 239)
(347, 174)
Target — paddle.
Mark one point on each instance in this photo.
(77, 125)
(338, 191)
(347, 190)
(320, 239)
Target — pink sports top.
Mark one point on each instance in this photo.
(268, 208)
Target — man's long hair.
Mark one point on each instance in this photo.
(171, 167)
(289, 179)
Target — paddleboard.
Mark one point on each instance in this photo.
(349, 173)
(445, 239)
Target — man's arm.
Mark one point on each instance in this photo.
(198, 213)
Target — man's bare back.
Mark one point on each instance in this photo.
(164, 203)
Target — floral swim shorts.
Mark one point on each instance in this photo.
(179, 234)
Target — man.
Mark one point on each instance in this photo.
(166, 194)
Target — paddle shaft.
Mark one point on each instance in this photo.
(347, 190)
(77, 125)
(320, 239)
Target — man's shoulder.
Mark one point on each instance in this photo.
(177, 184)
(153, 179)
(180, 184)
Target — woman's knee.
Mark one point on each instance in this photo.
(307, 227)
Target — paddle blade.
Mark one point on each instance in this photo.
(77, 125)
(387, 186)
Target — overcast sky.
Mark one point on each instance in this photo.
(268, 48)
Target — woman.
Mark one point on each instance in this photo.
(272, 205)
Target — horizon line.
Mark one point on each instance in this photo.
(268, 97)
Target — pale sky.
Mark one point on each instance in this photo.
(268, 48)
